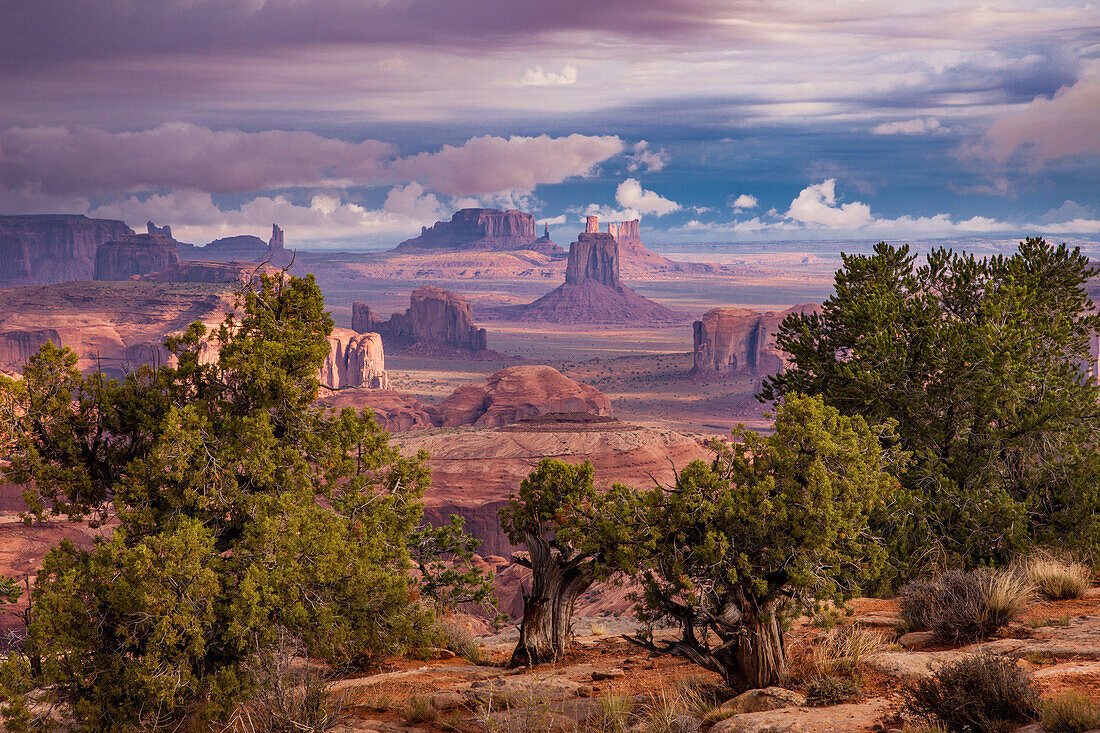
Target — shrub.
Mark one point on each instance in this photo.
(981, 694)
(826, 690)
(1070, 713)
(958, 605)
(420, 710)
(460, 641)
(613, 715)
(843, 651)
(1057, 578)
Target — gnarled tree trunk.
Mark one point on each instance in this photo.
(546, 632)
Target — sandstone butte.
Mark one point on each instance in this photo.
(593, 292)
(741, 341)
(242, 248)
(134, 255)
(436, 320)
(46, 249)
(482, 229)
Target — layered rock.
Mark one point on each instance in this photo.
(393, 411)
(592, 292)
(481, 229)
(136, 254)
(741, 341)
(46, 249)
(208, 271)
(519, 393)
(435, 316)
(354, 360)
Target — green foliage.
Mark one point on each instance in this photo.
(445, 558)
(1070, 713)
(827, 690)
(247, 514)
(980, 694)
(773, 519)
(980, 364)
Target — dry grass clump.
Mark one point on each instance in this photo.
(613, 715)
(420, 710)
(842, 651)
(460, 641)
(981, 694)
(965, 606)
(680, 708)
(1057, 578)
(1070, 713)
(826, 690)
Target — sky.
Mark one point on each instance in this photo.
(352, 123)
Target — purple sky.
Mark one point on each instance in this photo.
(354, 122)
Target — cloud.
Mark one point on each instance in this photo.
(816, 206)
(743, 202)
(631, 195)
(1068, 211)
(536, 77)
(917, 126)
(413, 202)
(83, 161)
(490, 164)
(646, 160)
(1064, 125)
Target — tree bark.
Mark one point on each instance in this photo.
(546, 632)
(760, 655)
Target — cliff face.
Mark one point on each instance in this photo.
(204, 271)
(354, 360)
(41, 250)
(489, 229)
(241, 248)
(740, 341)
(593, 257)
(135, 254)
(435, 316)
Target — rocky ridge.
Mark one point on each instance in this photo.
(435, 317)
(482, 229)
(133, 255)
(46, 249)
(740, 340)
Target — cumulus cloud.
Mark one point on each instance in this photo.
(491, 164)
(537, 77)
(414, 202)
(918, 126)
(816, 205)
(1064, 125)
(644, 159)
(631, 195)
(744, 202)
(83, 161)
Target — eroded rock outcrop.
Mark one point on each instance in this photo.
(592, 292)
(355, 360)
(740, 341)
(242, 248)
(136, 254)
(435, 317)
(519, 393)
(484, 229)
(46, 249)
(208, 271)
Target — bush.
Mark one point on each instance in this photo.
(827, 690)
(1070, 713)
(420, 710)
(843, 651)
(965, 606)
(613, 715)
(981, 694)
(1057, 578)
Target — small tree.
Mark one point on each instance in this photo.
(773, 521)
(444, 556)
(574, 536)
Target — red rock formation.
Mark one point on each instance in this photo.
(135, 254)
(207, 271)
(740, 341)
(435, 316)
(355, 360)
(45, 249)
(593, 292)
(242, 248)
(483, 229)
(518, 393)
(17, 346)
(395, 412)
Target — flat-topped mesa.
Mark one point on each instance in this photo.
(741, 341)
(435, 316)
(52, 248)
(482, 229)
(241, 248)
(133, 255)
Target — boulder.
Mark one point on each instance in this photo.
(46, 249)
(135, 254)
(519, 393)
(768, 698)
(740, 341)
